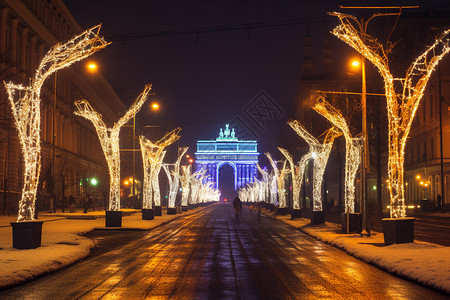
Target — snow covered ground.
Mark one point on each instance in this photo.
(63, 242)
(426, 263)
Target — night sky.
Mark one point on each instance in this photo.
(203, 73)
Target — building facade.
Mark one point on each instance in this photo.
(71, 152)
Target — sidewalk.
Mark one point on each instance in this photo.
(63, 242)
(425, 263)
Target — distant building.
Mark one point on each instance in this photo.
(27, 31)
(228, 150)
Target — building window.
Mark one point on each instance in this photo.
(432, 149)
(424, 156)
(431, 106)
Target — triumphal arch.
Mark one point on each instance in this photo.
(241, 155)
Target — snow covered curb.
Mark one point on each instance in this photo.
(62, 245)
(425, 263)
(58, 250)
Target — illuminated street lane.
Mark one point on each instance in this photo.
(210, 255)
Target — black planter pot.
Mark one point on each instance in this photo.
(184, 208)
(148, 214)
(27, 234)
(353, 224)
(282, 210)
(318, 217)
(296, 213)
(113, 218)
(171, 210)
(158, 211)
(398, 230)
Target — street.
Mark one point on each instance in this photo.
(211, 255)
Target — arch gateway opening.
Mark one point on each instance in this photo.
(227, 155)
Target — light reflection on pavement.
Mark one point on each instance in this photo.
(211, 255)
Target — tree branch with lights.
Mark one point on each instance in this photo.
(185, 180)
(26, 104)
(174, 177)
(403, 96)
(353, 146)
(151, 154)
(320, 153)
(109, 140)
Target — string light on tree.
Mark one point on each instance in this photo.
(320, 153)
(151, 154)
(297, 176)
(26, 104)
(279, 177)
(401, 106)
(174, 177)
(353, 147)
(185, 180)
(109, 140)
(265, 181)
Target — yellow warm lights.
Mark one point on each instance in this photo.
(321, 153)
(352, 152)
(155, 106)
(109, 140)
(152, 156)
(185, 180)
(403, 96)
(25, 104)
(174, 177)
(278, 178)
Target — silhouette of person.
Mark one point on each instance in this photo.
(237, 204)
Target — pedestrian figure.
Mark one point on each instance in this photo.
(71, 203)
(87, 204)
(237, 204)
(439, 201)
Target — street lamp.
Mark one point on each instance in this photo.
(91, 66)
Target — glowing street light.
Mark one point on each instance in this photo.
(356, 63)
(155, 106)
(91, 67)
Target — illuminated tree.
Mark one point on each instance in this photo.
(109, 140)
(185, 180)
(151, 154)
(265, 180)
(174, 178)
(320, 154)
(297, 176)
(402, 96)
(353, 147)
(26, 104)
(279, 176)
(155, 178)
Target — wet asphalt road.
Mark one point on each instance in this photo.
(211, 255)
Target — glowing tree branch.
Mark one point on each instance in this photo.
(109, 140)
(196, 182)
(265, 181)
(320, 154)
(185, 180)
(297, 176)
(151, 153)
(401, 107)
(174, 177)
(280, 176)
(352, 149)
(25, 104)
(155, 178)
